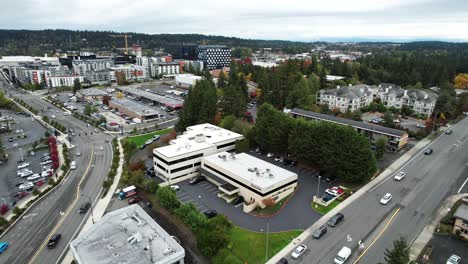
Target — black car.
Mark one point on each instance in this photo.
(238, 200)
(448, 132)
(54, 241)
(319, 232)
(197, 180)
(428, 151)
(210, 213)
(84, 208)
(335, 220)
(331, 179)
(282, 261)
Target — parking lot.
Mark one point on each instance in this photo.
(410, 123)
(445, 246)
(296, 214)
(22, 125)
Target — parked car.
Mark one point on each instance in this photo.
(400, 175)
(54, 241)
(84, 208)
(3, 246)
(454, 259)
(335, 220)
(342, 255)
(46, 162)
(335, 191)
(72, 165)
(269, 155)
(33, 177)
(327, 197)
(319, 232)
(421, 125)
(134, 200)
(196, 180)
(101, 148)
(26, 186)
(448, 132)
(25, 173)
(210, 213)
(78, 153)
(386, 199)
(282, 261)
(331, 179)
(278, 158)
(23, 165)
(175, 187)
(238, 200)
(298, 251)
(428, 151)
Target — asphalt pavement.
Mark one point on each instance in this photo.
(56, 213)
(429, 180)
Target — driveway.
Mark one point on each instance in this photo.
(445, 246)
(296, 214)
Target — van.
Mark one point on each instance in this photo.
(73, 165)
(343, 255)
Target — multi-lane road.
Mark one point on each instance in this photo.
(429, 180)
(57, 213)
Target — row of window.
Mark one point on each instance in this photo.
(179, 160)
(226, 145)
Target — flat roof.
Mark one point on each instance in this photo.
(127, 235)
(257, 172)
(196, 138)
(140, 109)
(151, 96)
(92, 92)
(353, 123)
(462, 212)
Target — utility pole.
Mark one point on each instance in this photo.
(318, 186)
(434, 123)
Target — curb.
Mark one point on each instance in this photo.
(279, 210)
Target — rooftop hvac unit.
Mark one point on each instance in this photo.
(267, 170)
(233, 156)
(224, 157)
(167, 251)
(257, 173)
(251, 169)
(271, 175)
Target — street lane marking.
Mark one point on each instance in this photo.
(463, 185)
(378, 236)
(66, 213)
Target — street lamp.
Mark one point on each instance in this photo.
(90, 202)
(318, 186)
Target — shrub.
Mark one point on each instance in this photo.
(4, 208)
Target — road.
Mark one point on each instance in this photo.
(429, 180)
(57, 213)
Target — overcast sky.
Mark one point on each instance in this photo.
(305, 20)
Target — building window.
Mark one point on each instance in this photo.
(226, 145)
(179, 160)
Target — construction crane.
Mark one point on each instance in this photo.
(125, 36)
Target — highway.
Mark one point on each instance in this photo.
(57, 213)
(429, 180)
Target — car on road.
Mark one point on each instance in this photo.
(3, 246)
(78, 153)
(52, 116)
(210, 213)
(46, 162)
(428, 151)
(319, 232)
(23, 165)
(84, 208)
(386, 199)
(33, 177)
(54, 241)
(298, 251)
(342, 255)
(421, 125)
(400, 175)
(454, 259)
(335, 220)
(175, 187)
(196, 180)
(448, 132)
(72, 165)
(134, 200)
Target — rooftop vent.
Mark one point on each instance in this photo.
(115, 254)
(167, 251)
(233, 156)
(251, 169)
(257, 173)
(199, 138)
(271, 175)
(135, 238)
(267, 170)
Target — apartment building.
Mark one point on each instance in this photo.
(81, 66)
(130, 71)
(181, 159)
(244, 175)
(347, 98)
(214, 57)
(420, 101)
(164, 68)
(63, 80)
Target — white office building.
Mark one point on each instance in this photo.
(164, 68)
(243, 175)
(126, 235)
(186, 80)
(181, 159)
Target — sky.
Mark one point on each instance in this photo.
(297, 20)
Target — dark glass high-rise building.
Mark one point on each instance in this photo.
(214, 57)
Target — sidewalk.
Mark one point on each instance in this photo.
(394, 167)
(426, 234)
(100, 206)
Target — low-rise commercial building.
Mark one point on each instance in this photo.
(134, 109)
(155, 98)
(127, 235)
(186, 80)
(460, 226)
(181, 159)
(257, 181)
(397, 139)
(90, 94)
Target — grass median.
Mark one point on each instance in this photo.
(324, 209)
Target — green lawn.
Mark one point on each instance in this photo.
(141, 139)
(273, 209)
(322, 209)
(250, 247)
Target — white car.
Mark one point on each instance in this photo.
(73, 165)
(175, 187)
(46, 173)
(23, 165)
(33, 177)
(52, 116)
(78, 153)
(399, 176)
(149, 141)
(269, 155)
(298, 251)
(101, 148)
(46, 162)
(454, 259)
(387, 197)
(421, 125)
(25, 173)
(25, 186)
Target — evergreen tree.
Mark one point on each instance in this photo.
(76, 85)
(400, 254)
(222, 80)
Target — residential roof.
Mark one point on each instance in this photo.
(462, 212)
(255, 172)
(151, 96)
(350, 92)
(353, 123)
(140, 109)
(127, 235)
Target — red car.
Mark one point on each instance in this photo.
(134, 200)
(335, 191)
